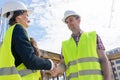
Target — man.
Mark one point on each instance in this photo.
(84, 53)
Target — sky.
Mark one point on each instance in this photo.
(49, 31)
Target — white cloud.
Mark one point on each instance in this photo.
(95, 15)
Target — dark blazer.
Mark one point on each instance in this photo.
(23, 51)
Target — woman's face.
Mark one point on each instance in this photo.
(23, 19)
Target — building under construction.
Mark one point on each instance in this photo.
(114, 58)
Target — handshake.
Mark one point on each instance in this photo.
(59, 67)
(58, 70)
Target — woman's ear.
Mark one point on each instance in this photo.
(19, 17)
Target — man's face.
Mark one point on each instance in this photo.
(73, 23)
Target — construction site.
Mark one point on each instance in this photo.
(113, 56)
(48, 26)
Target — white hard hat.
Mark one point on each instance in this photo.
(13, 6)
(68, 13)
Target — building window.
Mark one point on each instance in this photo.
(118, 62)
(118, 67)
(119, 73)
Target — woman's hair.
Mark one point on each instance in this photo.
(36, 49)
(15, 14)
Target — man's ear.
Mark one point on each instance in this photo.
(79, 20)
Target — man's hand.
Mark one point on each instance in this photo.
(58, 70)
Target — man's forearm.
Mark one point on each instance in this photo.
(106, 69)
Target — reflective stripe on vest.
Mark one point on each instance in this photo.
(88, 59)
(26, 72)
(84, 72)
(12, 70)
(8, 71)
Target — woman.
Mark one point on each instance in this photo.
(17, 58)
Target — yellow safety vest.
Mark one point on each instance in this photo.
(82, 60)
(8, 71)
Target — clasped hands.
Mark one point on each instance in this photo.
(58, 70)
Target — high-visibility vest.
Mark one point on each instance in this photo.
(8, 71)
(82, 60)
